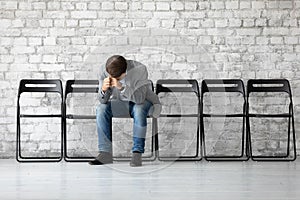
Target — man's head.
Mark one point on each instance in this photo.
(116, 66)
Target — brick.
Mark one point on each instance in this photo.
(107, 5)
(51, 67)
(261, 22)
(23, 67)
(190, 5)
(71, 23)
(39, 5)
(177, 6)
(53, 5)
(139, 23)
(49, 41)
(35, 58)
(232, 5)
(119, 15)
(20, 59)
(248, 23)
(217, 5)
(208, 23)
(67, 6)
(84, 14)
(6, 59)
(148, 6)
(248, 31)
(290, 22)
(9, 5)
(204, 40)
(22, 50)
(136, 6)
(215, 31)
(44, 23)
(5, 23)
(3, 67)
(275, 31)
(193, 24)
(28, 14)
(55, 14)
(62, 32)
(295, 31)
(34, 32)
(193, 15)
(121, 5)
(24, 6)
(7, 15)
(258, 4)
(94, 6)
(285, 4)
(18, 23)
(290, 40)
(81, 6)
(20, 41)
(85, 23)
(203, 5)
(34, 41)
(49, 59)
(276, 40)
(221, 23)
(220, 14)
(162, 6)
(168, 23)
(235, 23)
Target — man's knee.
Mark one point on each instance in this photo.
(142, 109)
(102, 109)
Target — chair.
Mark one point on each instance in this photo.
(89, 86)
(274, 86)
(35, 86)
(180, 86)
(77, 86)
(224, 86)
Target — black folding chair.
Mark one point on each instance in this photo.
(276, 86)
(90, 86)
(77, 86)
(180, 86)
(224, 86)
(36, 85)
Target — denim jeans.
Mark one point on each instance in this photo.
(115, 108)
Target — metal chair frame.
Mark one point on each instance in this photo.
(253, 85)
(219, 86)
(42, 86)
(193, 88)
(85, 86)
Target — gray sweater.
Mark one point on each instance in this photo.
(136, 85)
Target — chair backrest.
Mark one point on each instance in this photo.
(222, 85)
(81, 86)
(39, 85)
(268, 85)
(87, 86)
(177, 85)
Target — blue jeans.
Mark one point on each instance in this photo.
(115, 108)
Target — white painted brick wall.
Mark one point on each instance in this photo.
(175, 39)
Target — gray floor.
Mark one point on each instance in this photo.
(159, 180)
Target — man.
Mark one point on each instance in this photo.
(124, 91)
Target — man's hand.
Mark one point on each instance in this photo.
(106, 84)
(116, 83)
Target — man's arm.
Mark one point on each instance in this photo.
(135, 89)
(103, 96)
(136, 94)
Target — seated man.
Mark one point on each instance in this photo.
(124, 91)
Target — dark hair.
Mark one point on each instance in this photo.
(116, 65)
